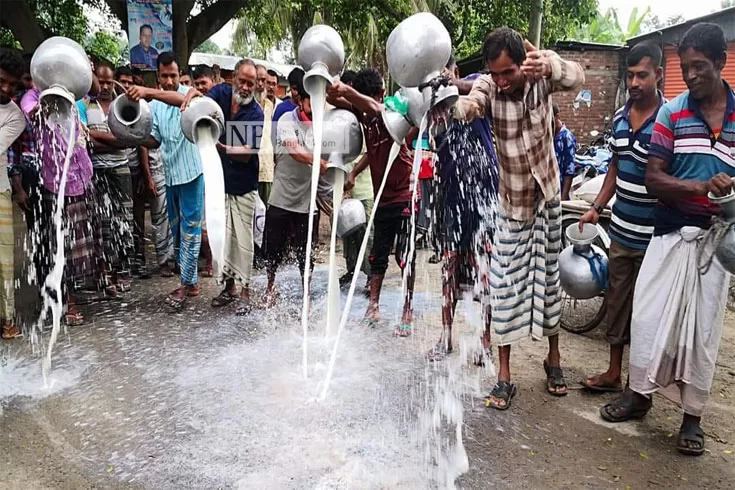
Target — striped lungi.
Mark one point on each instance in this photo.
(113, 194)
(239, 249)
(7, 244)
(524, 276)
(82, 240)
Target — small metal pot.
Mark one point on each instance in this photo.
(418, 49)
(202, 111)
(322, 55)
(576, 263)
(725, 251)
(350, 218)
(61, 62)
(130, 121)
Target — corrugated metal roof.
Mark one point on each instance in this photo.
(229, 62)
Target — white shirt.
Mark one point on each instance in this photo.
(12, 125)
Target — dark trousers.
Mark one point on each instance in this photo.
(284, 228)
(392, 224)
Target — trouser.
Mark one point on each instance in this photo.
(264, 191)
(622, 272)
(7, 249)
(184, 204)
(281, 228)
(113, 191)
(159, 219)
(391, 229)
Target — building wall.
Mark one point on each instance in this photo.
(602, 77)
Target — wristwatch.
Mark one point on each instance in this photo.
(597, 208)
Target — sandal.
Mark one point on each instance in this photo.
(502, 391)
(601, 388)
(555, 380)
(402, 330)
(208, 271)
(176, 303)
(689, 433)
(74, 319)
(10, 331)
(439, 352)
(244, 309)
(624, 409)
(166, 272)
(224, 298)
(371, 322)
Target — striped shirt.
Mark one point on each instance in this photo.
(524, 134)
(693, 151)
(180, 156)
(632, 213)
(93, 116)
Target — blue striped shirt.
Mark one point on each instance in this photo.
(181, 162)
(632, 213)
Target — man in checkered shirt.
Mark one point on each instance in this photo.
(524, 278)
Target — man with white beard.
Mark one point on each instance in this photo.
(238, 149)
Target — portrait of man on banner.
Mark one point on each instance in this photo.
(150, 23)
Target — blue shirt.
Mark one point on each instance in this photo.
(693, 151)
(181, 161)
(283, 108)
(244, 128)
(565, 147)
(632, 213)
(143, 59)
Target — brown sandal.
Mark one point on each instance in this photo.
(10, 331)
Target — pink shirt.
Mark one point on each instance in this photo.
(52, 146)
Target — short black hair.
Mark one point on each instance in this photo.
(451, 62)
(348, 77)
(707, 38)
(504, 39)
(303, 93)
(101, 62)
(368, 81)
(11, 62)
(123, 71)
(27, 57)
(272, 73)
(296, 77)
(165, 59)
(642, 50)
(202, 71)
(145, 26)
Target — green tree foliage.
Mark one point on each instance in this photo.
(607, 28)
(208, 46)
(52, 18)
(106, 45)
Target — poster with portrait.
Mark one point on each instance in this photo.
(150, 27)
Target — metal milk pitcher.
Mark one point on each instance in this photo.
(130, 121)
(321, 54)
(202, 111)
(725, 248)
(341, 139)
(582, 266)
(350, 218)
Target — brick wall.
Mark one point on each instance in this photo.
(602, 74)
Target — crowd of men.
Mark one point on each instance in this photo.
(668, 155)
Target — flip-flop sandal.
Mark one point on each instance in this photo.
(439, 352)
(244, 309)
(601, 389)
(690, 433)
(502, 390)
(175, 303)
(223, 299)
(167, 274)
(403, 330)
(554, 379)
(624, 409)
(371, 322)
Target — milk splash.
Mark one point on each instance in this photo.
(214, 194)
(318, 96)
(333, 295)
(395, 149)
(56, 275)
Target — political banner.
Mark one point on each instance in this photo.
(150, 27)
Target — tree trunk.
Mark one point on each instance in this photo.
(21, 21)
(534, 25)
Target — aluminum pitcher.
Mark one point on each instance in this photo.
(341, 139)
(725, 248)
(129, 121)
(582, 266)
(202, 112)
(322, 55)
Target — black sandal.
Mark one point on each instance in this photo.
(175, 303)
(624, 409)
(223, 299)
(503, 390)
(690, 433)
(555, 379)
